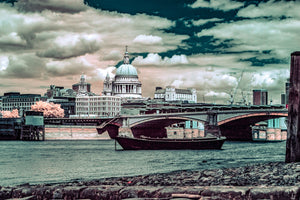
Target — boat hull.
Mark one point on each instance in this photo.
(169, 144)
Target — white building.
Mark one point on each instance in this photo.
(98, 106)
(174, 94)
(125, 84)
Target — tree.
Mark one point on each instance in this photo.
(50, 110)
(10, 114)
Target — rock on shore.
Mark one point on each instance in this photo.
(261, 181)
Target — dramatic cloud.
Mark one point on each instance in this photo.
(54, 41)
(12, 39)
(225, 5)
(155, 59)
(269, 79)
(147, 39)
(272, 9)
(279, 36)
(71, 45)
(70, 67)
(43, 40)
(24, 66)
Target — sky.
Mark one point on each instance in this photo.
(218, 47)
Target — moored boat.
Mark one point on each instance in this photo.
(129, 143)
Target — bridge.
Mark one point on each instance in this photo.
(234, 122)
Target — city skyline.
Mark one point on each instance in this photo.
(206, 45)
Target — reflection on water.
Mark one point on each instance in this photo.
(63, 160)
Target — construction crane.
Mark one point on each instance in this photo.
(232, 95)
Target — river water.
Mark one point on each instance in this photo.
(59, 161)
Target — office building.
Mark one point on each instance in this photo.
(260, 97)
(15, 100)
(98, 106)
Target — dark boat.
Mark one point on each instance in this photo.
(129, 143)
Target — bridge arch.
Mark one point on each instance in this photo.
(167, 120)
(239, 127)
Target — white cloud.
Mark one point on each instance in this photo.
(272, 9)
(147, 39)
(200, 22)
(269, 79)
(217, 94)
(177, 83)
(151, 59)
(4, 62)
(102, 73)
(225, 5)
(155, 59)
(280, 36)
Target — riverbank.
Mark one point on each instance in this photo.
(69, 132)
(261, 181)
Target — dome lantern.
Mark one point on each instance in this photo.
(126, 57)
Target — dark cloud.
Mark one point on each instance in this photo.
(24, 66)
(80, 47)
(262, 62)
(64, 6)
(71, 67)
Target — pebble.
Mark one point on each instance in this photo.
(265, 180)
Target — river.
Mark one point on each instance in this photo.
(59, 161)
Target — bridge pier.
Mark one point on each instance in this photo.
(212, 130)
(211, 126)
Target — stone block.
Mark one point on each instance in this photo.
(226, 192)
(275, 193)
(139, 192)
(101, 192)
(167, 192)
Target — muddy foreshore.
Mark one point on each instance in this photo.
(259, 181)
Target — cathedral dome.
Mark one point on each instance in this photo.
(126, 82)
(126, 70)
